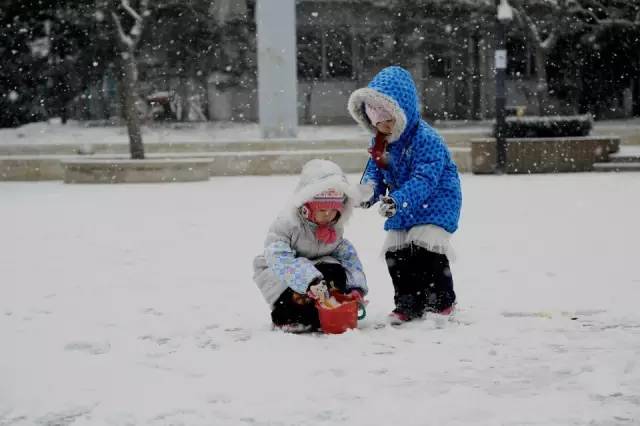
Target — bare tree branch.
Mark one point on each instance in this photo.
(600, 5)
(126, 6)
(560, 12)
(550, 41)
(531, 26)
(136, 30)
(577, 7)
(124, 38)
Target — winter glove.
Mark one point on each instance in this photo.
(387, 206)
(318, 290)
(365, 191)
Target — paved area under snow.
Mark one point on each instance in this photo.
(134, 305)
(74, 132)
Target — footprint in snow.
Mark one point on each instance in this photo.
(205, 338)
(151, 311)
(65, 417)
(239, 334)
(92, 348)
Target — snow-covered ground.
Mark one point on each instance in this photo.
(54, 133)
(81, 133)
(134, 305)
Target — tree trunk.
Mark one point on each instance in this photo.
(476, 78)
(635, 91)
(129, 77)
(183, 92)
(542, 88)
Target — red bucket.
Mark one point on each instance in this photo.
(341, 318)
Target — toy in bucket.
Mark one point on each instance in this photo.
(338, 312)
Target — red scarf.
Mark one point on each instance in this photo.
(326, 234)
(379, 150)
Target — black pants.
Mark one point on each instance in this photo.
(286, 311)
(421, 279)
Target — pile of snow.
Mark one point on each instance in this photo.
(134, 304)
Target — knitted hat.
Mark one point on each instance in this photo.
(377, 113)
(328, 199)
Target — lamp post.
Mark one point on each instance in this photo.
(504, 16)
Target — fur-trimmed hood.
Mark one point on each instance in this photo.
(394, 89)
(320, 175)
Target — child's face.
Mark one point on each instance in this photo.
(325, 216)
(386, 126)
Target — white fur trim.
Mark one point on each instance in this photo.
(430, 237)
(375, 98)
(318, 176)
(336, 182)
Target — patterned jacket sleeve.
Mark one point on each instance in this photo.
(296, 272)
(346, 254)
(429, 157)
(372, 176)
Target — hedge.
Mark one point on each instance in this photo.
(547, 126)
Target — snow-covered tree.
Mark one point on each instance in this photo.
(546, 22)
(128, 39)
(612, 40)
(543, 21)
(55, 50)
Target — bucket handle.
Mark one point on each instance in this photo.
(362, 310)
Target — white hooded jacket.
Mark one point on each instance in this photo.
(291, 248)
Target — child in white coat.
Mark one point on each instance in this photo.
(305, 246)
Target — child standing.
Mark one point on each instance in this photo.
(415, 180)
(305, 247)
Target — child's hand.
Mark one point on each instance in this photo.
(356, 294)
(301, 299)
(387, 206)
(365, 191)
(319, 290)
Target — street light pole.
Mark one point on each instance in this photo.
(504, 15)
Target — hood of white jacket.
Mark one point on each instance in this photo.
(320, 175)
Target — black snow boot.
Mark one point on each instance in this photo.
(406, 292)
(434, 282)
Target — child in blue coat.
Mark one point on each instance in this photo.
(416, 182)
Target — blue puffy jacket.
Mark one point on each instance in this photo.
(421, 176)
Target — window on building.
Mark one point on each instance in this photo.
(439, 65)
(339, 53)
(309, 55)
(325, 53)
(520, 59)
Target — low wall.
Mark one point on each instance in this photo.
(135, 171)
(31, 168)
(231, 163)
(543, 155)
(291, 162)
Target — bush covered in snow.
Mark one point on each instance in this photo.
(548, 126)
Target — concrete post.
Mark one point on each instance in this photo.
(277, 70)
